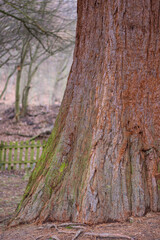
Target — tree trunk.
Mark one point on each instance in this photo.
(25, 100)
(18, 79)
(6, 84)
(31, 73)
(17, 96)
(101, 160)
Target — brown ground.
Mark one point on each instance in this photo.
(12, 185)
(40, 119)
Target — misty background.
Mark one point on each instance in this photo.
(36, 50)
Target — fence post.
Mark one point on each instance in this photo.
(32, 154)
(1, 155)
(21, 155)
(5, 147)
(38, 150)
(26, 154)
(10, 155)
(15, 155)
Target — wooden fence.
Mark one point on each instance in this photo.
(20, 155)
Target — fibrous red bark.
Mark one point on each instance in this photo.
(102, 158)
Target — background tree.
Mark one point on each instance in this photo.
(101, 160)
(36, 26)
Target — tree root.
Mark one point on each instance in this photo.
(55, 237)
(66, 232)
(108, 235)
(77, 234)
(71, 224)
(52, 226)
(81, 230)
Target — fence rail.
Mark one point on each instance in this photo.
(20, 155)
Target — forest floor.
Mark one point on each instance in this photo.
(13, 183)
(38, 122)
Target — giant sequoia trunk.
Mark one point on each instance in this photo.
(101, 160)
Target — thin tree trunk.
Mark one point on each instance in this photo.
(101, 160)
(18, 80)
(6, 84)
(31, 72)
(17, 107)
(25, 100)
(26, 91)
